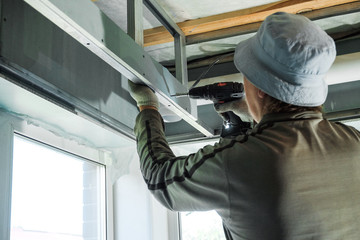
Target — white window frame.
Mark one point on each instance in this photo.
(11, 125)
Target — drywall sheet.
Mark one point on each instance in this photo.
(38, 47)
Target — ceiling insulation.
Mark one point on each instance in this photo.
(165, 52)
(181, 11)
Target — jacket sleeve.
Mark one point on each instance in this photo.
(185, 183)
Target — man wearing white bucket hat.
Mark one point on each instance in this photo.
(294, 175)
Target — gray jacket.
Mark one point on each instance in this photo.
(294, 176)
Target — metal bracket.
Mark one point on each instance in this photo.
(135, 27)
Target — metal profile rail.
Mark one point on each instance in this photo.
(179, 39)
(139, 67)
(163, 17)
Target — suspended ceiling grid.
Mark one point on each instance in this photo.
(72, 77)
(182, 11)
(201, 55)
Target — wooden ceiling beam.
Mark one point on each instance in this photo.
(238, 18)
(253, 27)
(227, 57)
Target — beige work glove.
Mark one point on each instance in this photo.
(143, 95)
(238, 107)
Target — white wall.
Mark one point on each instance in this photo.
(137, 214)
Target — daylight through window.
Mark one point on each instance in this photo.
(55, 195)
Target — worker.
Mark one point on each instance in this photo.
(294, 175)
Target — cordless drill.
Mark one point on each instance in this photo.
(223, 92)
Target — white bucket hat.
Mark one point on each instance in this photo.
(288, 59)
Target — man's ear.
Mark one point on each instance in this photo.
(260, 94)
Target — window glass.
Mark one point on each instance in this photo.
(201, 225)
(55, 195)
(354, 123)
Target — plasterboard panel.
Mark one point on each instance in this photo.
(102, 37)
(39, 47)
(40, 112)
(53, 55)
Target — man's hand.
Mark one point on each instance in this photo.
(144, 96)
(238, 107)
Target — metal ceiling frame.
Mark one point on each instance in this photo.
(118, 50)
(223, 25)
(343, 9)
(88, 30)
(179, 39)
(135, 26)
(135, 31)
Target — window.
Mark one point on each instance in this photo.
(201, 225)
(198, 225)
(354, 123)
(55, 195)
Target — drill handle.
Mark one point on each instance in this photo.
(231, 118)
(233, 125)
